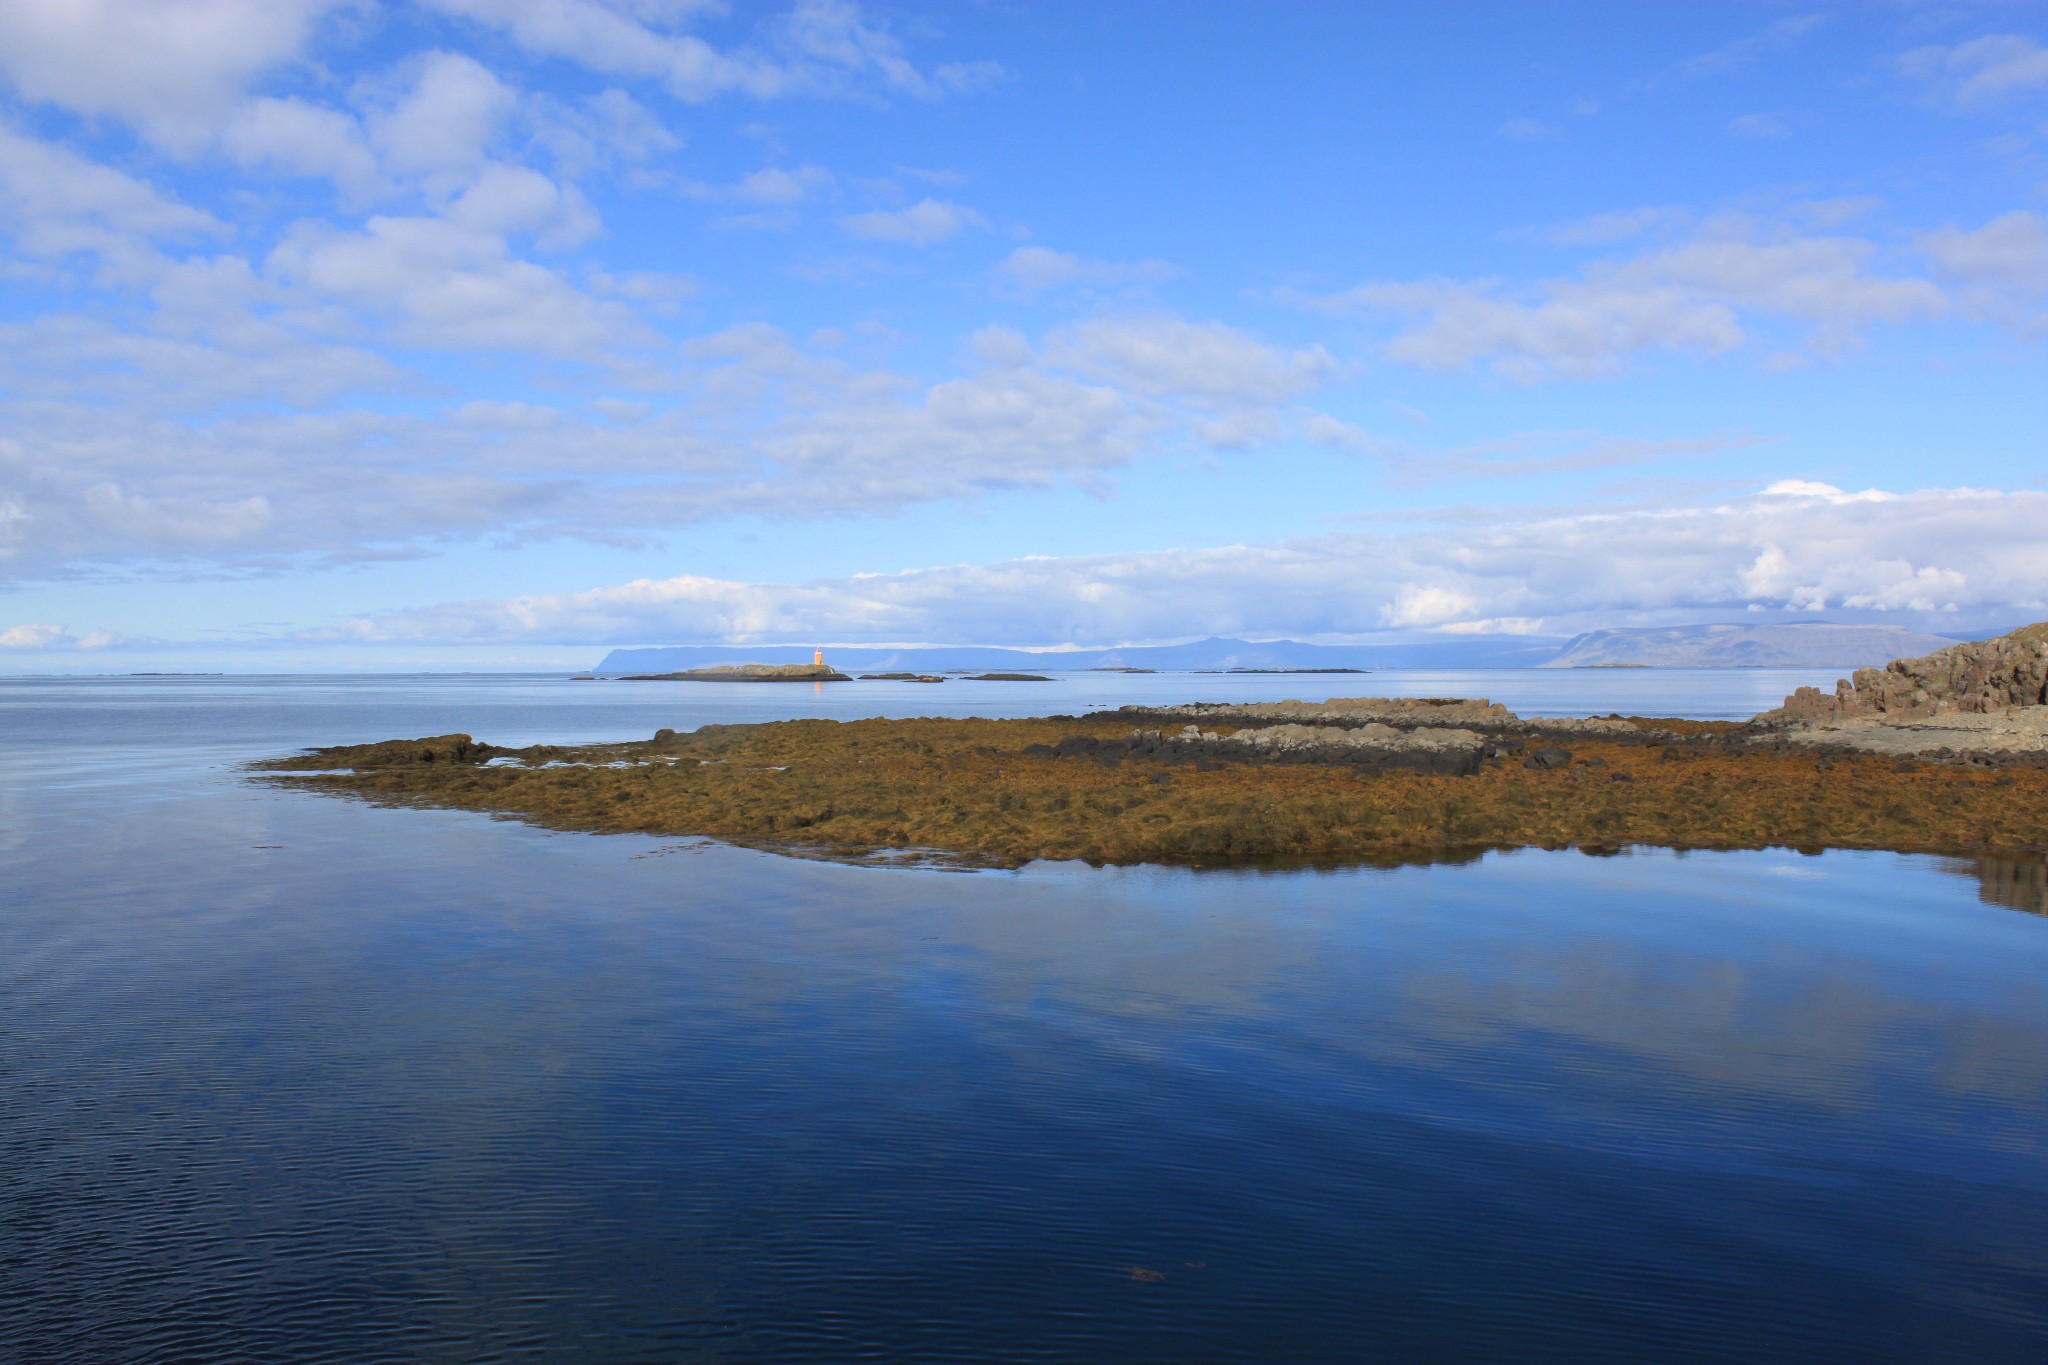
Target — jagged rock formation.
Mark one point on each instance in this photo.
(1979, 678)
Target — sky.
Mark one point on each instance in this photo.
(338, 334)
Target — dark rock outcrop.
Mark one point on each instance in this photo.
(1988, 675)
(391, 753)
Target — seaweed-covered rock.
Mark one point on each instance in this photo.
(1404, 711)
(389, 753)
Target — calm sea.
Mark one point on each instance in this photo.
(290, 1078)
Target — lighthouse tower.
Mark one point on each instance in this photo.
(818, 658)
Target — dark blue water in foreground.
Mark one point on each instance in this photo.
(290, 1078)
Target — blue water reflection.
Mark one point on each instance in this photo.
(293, 1078)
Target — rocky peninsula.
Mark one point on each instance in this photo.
(1345, 780)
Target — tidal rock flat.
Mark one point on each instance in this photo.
(1351, 780)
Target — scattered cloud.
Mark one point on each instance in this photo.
(1980, 71)
(1202, 362)
(1527, 130)
(1762, 127)
(1537, 454)
(1781, 36)
(922, 224)
(752, 424)
(1708, 295)
(773, 185)
(174, 71)
(1998, 271)
(1931, 558)
(819, 47)
(1601, 229)
(2009, 252)
(436, 284)
(31, 635)
(1033, 269)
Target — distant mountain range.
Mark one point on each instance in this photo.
(1724, 646)
(1496, 652)
(1780, 646)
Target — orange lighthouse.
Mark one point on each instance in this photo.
(818, 658)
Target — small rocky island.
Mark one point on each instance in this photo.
(744, 673)
(1942, 754)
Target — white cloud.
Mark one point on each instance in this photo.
(1602, 229)
(612, 39)
(2009, 252)
(36, 635)
(773, 193)
(1033, 268)
(1527, 130)
(922, 224)
(1326, 430)
(59, 360)
(1981, 70)
(1706, 295)
(171, 68)
(1521, 455)
(611, 126)
(1764, 127)
(444, 285)
(97, 470)
(32, 635)
(58, 205)
(2000, 270)
(1205, 363)
(298, 138)
(505, 200)
(1774, 38)
(1929, 557)
(821, 47)
(446, 123)
(773, 185)
(837, 36)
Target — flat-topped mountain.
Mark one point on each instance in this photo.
(1797, 645)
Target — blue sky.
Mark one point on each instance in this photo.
(490, 332)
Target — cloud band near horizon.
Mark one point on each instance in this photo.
(1954, 557)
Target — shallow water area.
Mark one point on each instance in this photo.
(295, 1078)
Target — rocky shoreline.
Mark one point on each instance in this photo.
(1363, 779)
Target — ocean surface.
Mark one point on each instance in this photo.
(286, 1077)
